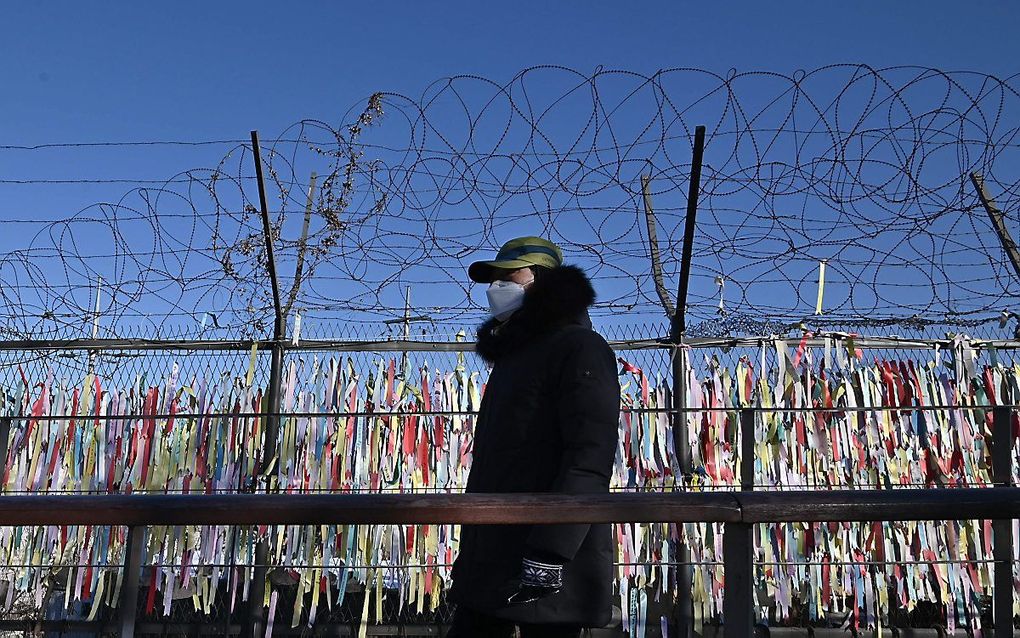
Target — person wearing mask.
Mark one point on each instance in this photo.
(548, 422)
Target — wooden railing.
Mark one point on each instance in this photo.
(738, 511)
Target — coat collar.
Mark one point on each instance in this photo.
(559, 296)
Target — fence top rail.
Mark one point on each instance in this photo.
(383, 411)
(401, 345)
(523, 508)
(331, 345)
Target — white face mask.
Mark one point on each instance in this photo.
(505, 298)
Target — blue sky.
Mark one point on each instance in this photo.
(119, 70)
(77, 72)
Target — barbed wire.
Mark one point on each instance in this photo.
(865, 170)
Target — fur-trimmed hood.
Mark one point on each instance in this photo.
(559, 296)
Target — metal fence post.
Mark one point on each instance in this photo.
(254, 623)
(738, 566)
(738, 548)
(681, 444)
(5, 434)
(279, 323)
(1002, 530)
(747, 449)
(132, 573)
(685, 575)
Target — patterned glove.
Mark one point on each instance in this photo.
(538, 580)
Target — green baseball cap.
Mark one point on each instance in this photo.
(522, 252)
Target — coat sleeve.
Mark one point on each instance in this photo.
(588, 415)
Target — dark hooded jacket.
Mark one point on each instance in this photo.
(548, 422)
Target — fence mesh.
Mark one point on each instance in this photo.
(843, 263)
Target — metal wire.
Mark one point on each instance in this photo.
(865, 169)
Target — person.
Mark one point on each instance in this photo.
(548, 422)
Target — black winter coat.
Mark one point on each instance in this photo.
(548, 422)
